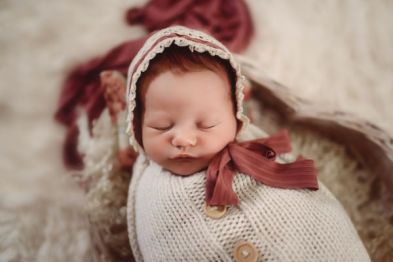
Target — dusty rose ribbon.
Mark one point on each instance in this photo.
(256, 159)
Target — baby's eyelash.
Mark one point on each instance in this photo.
(164, 128)
(207, 126)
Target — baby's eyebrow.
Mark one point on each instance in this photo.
(158, 117)
(208, 117)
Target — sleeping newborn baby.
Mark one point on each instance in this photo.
(206, 186)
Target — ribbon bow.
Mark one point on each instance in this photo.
(256, 159)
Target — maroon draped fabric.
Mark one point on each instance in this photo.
(256, 159)
(82, 88)
(228, 21)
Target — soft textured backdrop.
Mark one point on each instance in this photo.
(337, 53)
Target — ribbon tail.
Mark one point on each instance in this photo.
(219, 181)
(298, 174)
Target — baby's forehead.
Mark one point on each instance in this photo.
(208, 81)
(197, 93)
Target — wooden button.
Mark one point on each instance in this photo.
(215, 211)
(245, 252)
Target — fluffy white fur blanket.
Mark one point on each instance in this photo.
(333, 52)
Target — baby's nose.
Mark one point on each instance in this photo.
(184, 140)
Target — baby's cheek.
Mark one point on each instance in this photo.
(154, 147)
(217, 142)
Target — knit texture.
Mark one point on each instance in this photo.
(166, 221)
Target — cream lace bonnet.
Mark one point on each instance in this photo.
(180, 36)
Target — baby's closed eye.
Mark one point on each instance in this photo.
(166, 126)
(207, 125)
(161, 127)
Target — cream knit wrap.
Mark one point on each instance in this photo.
(166, 219)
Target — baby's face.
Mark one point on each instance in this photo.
(188, 118)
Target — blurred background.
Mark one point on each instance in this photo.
(336, 53)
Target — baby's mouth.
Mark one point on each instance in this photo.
(183, 158)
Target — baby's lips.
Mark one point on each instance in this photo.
(183, 156)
